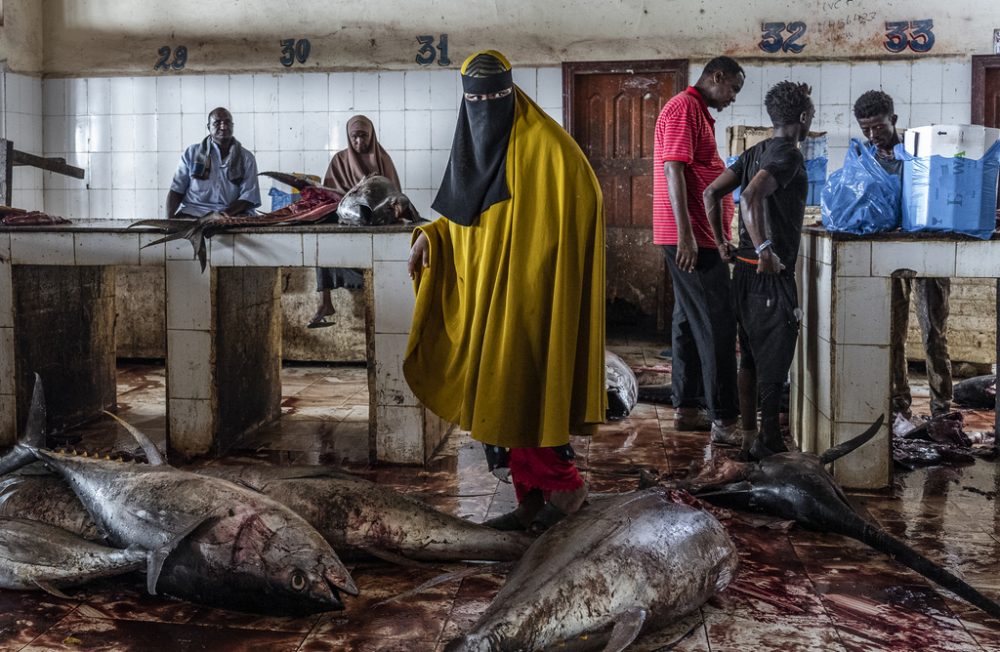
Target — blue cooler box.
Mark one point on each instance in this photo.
(950, 194)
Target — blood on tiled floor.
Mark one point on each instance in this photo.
(796, 590)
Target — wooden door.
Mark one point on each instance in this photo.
(986, 92)
(610, 109)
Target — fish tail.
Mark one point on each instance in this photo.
(841, 450)
(26, 450)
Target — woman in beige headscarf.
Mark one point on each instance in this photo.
(362, 156)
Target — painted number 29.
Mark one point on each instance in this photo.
(164, 63)
(772, 41)
(426, 53)
(919, 39)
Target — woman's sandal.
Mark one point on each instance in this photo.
(546, 517)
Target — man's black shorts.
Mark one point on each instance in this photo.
(766, 307)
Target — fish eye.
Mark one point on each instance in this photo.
(298, 580)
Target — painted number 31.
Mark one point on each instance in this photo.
(920, 38)
(426, 53)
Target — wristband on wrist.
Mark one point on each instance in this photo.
(767, 244)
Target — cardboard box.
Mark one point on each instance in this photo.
(964, 141)
(743, 137)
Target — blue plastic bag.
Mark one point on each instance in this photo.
(959, 195)
(861, 197)
(736, 193)
(816, 172)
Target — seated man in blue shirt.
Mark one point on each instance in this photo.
(216, 175)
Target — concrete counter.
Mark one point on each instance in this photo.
(841, 373)
(221, 325)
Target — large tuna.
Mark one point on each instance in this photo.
(622, 565)
(356, 516)
(359, 517)
(36, 555)
(235, 548)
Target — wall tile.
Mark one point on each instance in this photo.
(189, 301)
(100, 204)
(929, 259)
(524, 78)
(977, 259)
(316, 162)
(896, 80)
(863, 311)
(392, 132)
(123, 204)
(54, 96)
(76, 97)
(417, 89)
(107, 249)
(752, 93)
(144, 94)
(290, 161)
(216, 92)
(265, 131)
(166, 165)
(268, 249)
(865, 76)
(344, 250)
(395, 442)
(862, 391)
(836, 83)
(149, 203)
(316, 91)
(341, 91)
(390, 385)
(145, 133)
(193, 129)
(241, 93)
(99, 96)
(808, 74)
(146, 170)
(854, 259)
(187, 352)
(443, 128)
(418, 169)
(123, 170)
(100, 133)
(956, 80)
(193, 95)
(290, 131)
(924, 114)
(42, 249)
(417, 125)
(290, 92)
(394, 297)
(55, 138)
(168, 132)
(871, 467)
(168, 94)
(444, 89)
(550, 87)
(391, 91)
(122, 96)
(366, 92)
(959, 113)
(930, 75)
(265, 93)
(191, 421)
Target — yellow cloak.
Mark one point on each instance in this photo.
(507, 338)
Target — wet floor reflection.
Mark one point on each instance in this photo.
(796, 590)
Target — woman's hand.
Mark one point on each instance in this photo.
(419, 256)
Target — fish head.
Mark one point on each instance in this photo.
(298, 567)
(373, 201)
(472, 643)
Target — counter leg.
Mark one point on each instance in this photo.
(8, 413)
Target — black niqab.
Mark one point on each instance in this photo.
(476, 176)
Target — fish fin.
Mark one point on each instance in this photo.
(153, 454)
(626, 629)
(34, 431)
(395, 558)
(50, 589)
(175, 229)
(840, 450)
(472, 571)
(299, 183)
(158, 556)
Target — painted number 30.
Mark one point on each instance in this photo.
(920, 38)
(772, 42)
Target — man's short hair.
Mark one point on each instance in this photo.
(726, 65)
(787, 101)
(872, 104)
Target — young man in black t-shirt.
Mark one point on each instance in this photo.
(876, 116)
(773, 187)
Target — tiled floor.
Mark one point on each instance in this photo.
(796, 590)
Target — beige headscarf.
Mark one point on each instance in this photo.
(347, 167)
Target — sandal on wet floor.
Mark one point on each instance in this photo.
(320, 321)
(546, 517)
(508, 522)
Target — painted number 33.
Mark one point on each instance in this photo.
(920, 38)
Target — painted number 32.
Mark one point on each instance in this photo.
(773, 42)
(920, 38)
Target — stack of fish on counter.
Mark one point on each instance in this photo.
(10, 216)
(270, 539)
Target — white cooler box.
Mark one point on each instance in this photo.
(965, 141)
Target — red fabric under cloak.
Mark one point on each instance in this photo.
(544, 469)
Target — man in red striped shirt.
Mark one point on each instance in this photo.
(704, 327)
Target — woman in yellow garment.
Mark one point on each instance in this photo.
(508, 329)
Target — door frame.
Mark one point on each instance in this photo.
(980, 64)
(572, 70)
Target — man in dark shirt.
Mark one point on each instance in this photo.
(773, 187)
(876, 116)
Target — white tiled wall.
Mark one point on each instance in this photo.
(22, 122)
(128, 133)
(925, 91)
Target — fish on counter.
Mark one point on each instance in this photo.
(36, 555)
(371, 202)
(796, 486)
(10, 216)
(621, 566)
(213, 542)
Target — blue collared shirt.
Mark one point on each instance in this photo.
(203, 196)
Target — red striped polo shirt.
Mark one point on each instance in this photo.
(685, 132)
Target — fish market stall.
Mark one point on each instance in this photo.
(223, 327)
(841, 373)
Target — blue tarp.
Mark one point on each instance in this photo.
(861, 197)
